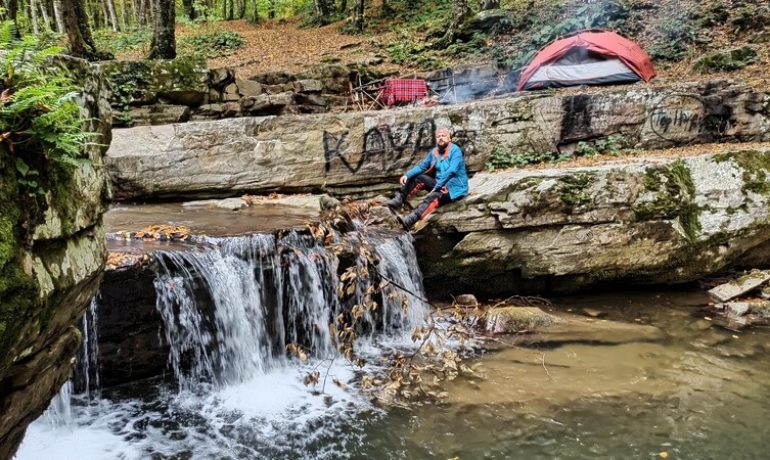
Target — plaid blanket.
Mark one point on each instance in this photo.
(398, 90)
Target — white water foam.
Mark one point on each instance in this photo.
(242, 398)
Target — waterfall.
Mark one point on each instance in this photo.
(87, 370)
(230, 308)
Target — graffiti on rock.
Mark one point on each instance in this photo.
(678, 117)
(387, 147)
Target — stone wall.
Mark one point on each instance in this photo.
(62, 259)
(364, 152)
(152, 92)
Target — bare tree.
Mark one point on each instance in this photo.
(163, 44)
(124, 15)
(33, 16)
(44, 11)
(358, 17)
(58, 15)
(113, 16)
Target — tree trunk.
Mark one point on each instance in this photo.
(359, 16)
(105, 15)
(33, 16)
(150, 11)
(124, 15)
(113, 16)
(224, 9)
(255, 12)
(241, 9)
(163, 41)
(75, 22)
(137, 12)
(489, 4)
(231, 12)
(460, 12)
(46, 17)
(343, 8)
(189, 9)
(271, 9)
(58, 15)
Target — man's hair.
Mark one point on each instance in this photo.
(448, 131)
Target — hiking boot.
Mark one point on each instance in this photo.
(396, 202)
(408, 221)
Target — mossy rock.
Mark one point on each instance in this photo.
(508, 320)
(727, 60)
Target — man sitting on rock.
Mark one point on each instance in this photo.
(442, 173)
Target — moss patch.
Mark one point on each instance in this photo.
(18, 290)
(573, 190)
(674, 193)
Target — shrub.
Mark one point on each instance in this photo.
(211, 44)
(503, 157)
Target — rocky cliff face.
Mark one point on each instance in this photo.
(57, 271)
(363, 152)
(660, 220)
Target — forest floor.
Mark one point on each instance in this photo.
(286, 46)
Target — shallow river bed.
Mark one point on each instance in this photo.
(699, 393)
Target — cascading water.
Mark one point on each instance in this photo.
(229, 308)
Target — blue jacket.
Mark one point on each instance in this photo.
(450, 170)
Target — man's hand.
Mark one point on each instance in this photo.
(403, 179)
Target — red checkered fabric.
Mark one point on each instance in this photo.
(398, 90)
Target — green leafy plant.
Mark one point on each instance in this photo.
(211, 44)
(614, 145)
(39, 113)
(502, 158)
(122, 42)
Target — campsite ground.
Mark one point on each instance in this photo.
(675, 33)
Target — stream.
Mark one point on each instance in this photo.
(698, 392)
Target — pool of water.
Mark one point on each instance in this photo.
(699, 393)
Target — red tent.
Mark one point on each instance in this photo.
(587, 58)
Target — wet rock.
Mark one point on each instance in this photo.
(586, 330)
(228, 203)
(593, 313)
(742, 285)
(736, 309)
(328, 202)
(467, 301)
(509, 320)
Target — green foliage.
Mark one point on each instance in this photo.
(39, 111)
(409, 50)
(673, 35)
(614, 144)
(503, 158)
(211, 44)
(122, 42)
(727, 60)
(611, 14)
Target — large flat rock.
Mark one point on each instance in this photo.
(366, 151)
(663, 220)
